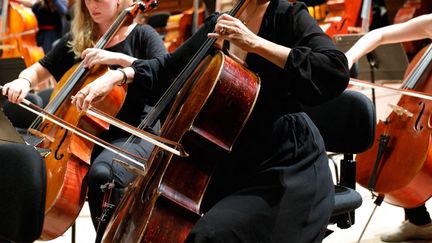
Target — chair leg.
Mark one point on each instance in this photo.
(73, 233)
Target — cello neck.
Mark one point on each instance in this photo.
(178, 83)
(419, 70)
(4, 16)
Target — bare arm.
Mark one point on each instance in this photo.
(414, 29)
(29, 77)
(244, 38)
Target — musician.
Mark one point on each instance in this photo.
(92, 19)
(275, 186)
(417, 224)
(49, 14)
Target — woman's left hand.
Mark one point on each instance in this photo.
(233, 30)
(96, 90)
(94, 56)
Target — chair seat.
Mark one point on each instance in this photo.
(346, 199)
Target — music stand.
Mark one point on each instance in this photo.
(386, 62)
(8, 133)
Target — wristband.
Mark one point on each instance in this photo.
(124, 80)
(26, 79)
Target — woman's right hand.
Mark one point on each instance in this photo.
(16, 90)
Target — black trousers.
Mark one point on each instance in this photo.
(418, 215)
(103, 171)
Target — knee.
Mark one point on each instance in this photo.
(99, 173)
(204, 231)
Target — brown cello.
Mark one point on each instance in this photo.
(215, 100)
(180, 28)
(342, 16)
(399, 164)
(18, 33)
(69, 157)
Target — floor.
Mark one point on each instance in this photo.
(385, 218)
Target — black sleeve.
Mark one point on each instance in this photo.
(318, 70)
(60, 59)
(154, 75)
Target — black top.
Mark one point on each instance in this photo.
(46, 16)
(143, 42)
(275, 185)
(315, 71)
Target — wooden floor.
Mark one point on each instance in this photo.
(385, 218)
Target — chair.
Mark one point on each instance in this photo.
(347, 124)
(23, 188)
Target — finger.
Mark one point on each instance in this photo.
(88, 99)
(21, 97)
(5, 89)
(15, 96)
(78, 99)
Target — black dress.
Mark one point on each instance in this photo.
(276, 185)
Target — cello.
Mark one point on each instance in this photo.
(69, 157)
(398, 166)
(182, 26)
(18, 33)
(164, 205)
(342, 17)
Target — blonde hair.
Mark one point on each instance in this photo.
(84, 30)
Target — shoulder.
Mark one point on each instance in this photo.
(283, 7)
(145, 29)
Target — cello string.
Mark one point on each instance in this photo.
(419, 69)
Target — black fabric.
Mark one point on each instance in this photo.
(347, 123)
(45, 96)
(276, 185)
(346, 199)
(103, 171)
(418, 215)
(22, 189)
(20, 117)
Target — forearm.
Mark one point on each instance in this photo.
(34, 74)
(273, 52)
(365, 45)
(125, 60)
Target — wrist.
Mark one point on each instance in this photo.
(124, 79)
(26, 79)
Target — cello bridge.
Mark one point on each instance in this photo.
(400, 110)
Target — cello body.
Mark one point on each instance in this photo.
(18, 35)
(179, 28)
(206, 118)
(342, 16)
(399, 164)
(69, 159)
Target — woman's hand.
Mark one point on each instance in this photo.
(96, 90)
(94, 56)
(233, 30)
(16, 90)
